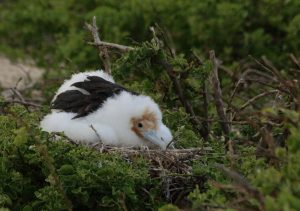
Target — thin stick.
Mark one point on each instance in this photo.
(23, 103)
(99, 139)
(217, 94)
(122, 48)
(242, 182)
(243, 79)
(103, 52)
(267, 65)
(171, 151)
(18, 94)
(257, 97)
(295, 60)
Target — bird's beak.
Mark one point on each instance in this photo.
(154, 139)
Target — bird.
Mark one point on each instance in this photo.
(90, 108)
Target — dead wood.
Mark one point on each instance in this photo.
(103, 52)
(217, 94)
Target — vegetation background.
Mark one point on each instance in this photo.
(254, 164)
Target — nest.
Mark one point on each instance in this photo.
(173, 167)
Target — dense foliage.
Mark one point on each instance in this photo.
(246, 168)
(52, 31)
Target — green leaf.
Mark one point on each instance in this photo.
(21, 136)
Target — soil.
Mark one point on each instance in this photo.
(17, 74)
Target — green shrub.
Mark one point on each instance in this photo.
(40, 174)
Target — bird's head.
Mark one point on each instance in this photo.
(151, 129)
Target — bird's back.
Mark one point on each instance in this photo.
(85, 92)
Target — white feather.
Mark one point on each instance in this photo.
(112, 121)
(67, 85)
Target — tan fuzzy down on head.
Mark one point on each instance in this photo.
(149, 121)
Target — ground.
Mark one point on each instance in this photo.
(19, 74)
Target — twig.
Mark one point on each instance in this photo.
(99, 139)
(267, 65)
(103, 53)
(166, 154)
(217, 94)
(295, 60)
(257, 97)
(123, 201)
(167, 38)
(19, 80)
(122, 48)
(242, 182)
(228, 72)
(171, 143)
(18, 94)
(22, 103)
(62, 135)
(250, 101)
(26, 72)
(157, 42)
(269, 85)
(242, 79)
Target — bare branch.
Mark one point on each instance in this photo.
(19, 99)
(103, 52)
(267, 65)
(217, 94)
(257, 97)
(23, 103)
(295, 60)
(176, 152)
(99, 139)
(242, 182)
(243, 78)
(122, 48)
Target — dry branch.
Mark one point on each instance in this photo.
(217, 94)
(122, 48)
(243, 78)
(176, 152)
(267, 65)
(295, 60)
(243, 183)
(24, 103)
(103, 52)
(250, 101)
(18, 98)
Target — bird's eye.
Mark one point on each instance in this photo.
(140, 125)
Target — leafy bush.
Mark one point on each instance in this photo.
(39, 173)
(52, 31)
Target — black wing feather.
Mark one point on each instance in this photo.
(75, 101)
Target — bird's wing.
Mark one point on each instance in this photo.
(82, 104)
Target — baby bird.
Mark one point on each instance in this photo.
(90, 107)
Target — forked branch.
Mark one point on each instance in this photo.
(103, 52)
